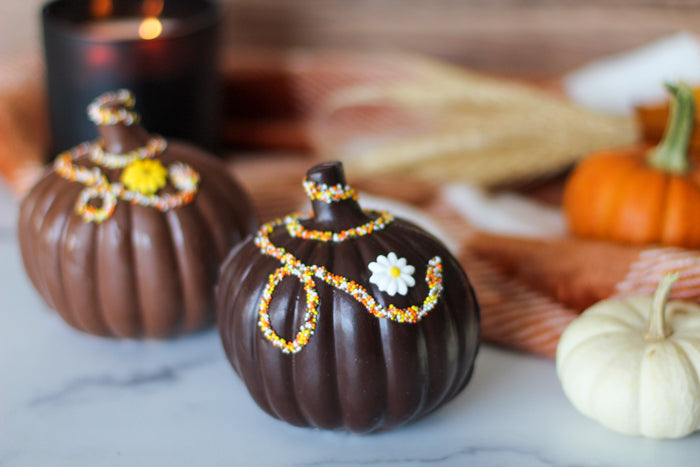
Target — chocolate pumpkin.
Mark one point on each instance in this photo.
(347, 319)
(124, 236)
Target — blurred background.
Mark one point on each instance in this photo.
(296, 75)
(534, 39)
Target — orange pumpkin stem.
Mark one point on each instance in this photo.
(671, 155)
(658, 329)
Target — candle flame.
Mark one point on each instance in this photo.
(101, 8)
(150, 28)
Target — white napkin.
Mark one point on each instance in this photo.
(618, 83)
(504, 213)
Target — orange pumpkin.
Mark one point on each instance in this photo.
(640, 194)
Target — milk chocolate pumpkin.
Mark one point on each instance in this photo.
(124, 236)
(347, 319)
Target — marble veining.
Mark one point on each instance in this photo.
(497, 455)
(73, 388)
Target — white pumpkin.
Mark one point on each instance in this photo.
(634, 364)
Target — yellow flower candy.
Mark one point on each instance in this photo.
(145, 176)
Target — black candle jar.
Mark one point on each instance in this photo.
(94, 46)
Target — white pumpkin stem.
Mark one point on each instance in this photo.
(658, 329)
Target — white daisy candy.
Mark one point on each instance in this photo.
(391, 274)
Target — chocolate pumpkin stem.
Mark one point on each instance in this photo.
(658, 329)
(671, 155)
(119, 137)
(334, 212)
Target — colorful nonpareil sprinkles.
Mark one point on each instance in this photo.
(183, 177)
(295, 229)
(328, 193)
(306, 330)
(92, 213)
(109, 160)
(100, 114)
(307, 274)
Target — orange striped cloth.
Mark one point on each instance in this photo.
(513, 314)
(653, 264)
(517, 315)
(24, 134)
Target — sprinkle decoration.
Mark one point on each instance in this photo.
(328, 193)
(183, 177)
(295, 229)
(308, 274)
(109, 160)
(101, 115)
(92, 213)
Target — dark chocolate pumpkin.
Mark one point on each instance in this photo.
(311, 322)
(137, 255)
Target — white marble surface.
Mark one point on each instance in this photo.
(68, 399)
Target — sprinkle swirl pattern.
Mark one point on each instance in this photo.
(99, 156)
(101, 115)
(295, 229)
(328, 193)
(308, 274)
(183, 177)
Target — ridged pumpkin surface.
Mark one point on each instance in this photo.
(141, 272)
(618, 196)
(358, 372)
